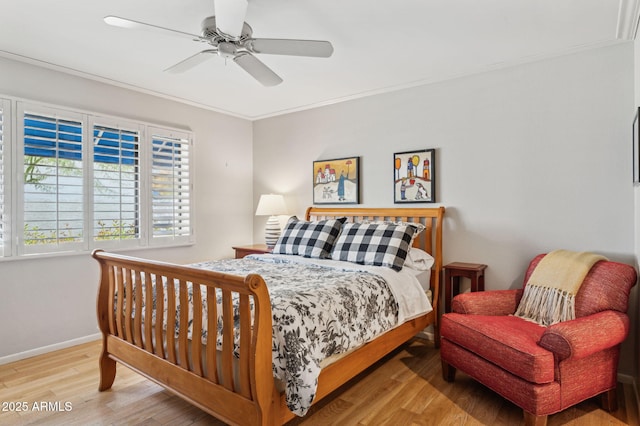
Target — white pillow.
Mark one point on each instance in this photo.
(419, 259)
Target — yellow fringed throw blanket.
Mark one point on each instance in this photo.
(549, 296)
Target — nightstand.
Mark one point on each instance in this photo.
(242, 251)
(452, 274)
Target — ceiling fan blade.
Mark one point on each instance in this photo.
(257, 69)
(230, 16)
(274, 46)
(117, 21)
(191, 61)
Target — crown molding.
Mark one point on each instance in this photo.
(88, 76)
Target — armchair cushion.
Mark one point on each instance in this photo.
(507, 341)
(496, 302)
(587, 335)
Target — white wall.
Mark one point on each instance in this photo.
(529, 158)
(48, 301)
(636, 104)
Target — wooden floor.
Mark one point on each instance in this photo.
(404, 389)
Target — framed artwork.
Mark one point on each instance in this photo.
(336, 181)
(414, 176)
(636, 148)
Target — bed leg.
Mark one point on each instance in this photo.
(107, 372)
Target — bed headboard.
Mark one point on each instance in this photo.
(430, 240)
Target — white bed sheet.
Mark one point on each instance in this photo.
(404, 284)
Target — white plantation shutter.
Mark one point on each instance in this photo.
(5, 234)
(52, 199)
(171, 196)
(116, 184)
(71, 181)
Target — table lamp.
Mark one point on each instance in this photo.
(271, 205)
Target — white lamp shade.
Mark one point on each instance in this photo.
(271, 205)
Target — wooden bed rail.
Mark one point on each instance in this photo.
(139, 306)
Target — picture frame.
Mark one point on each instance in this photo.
(414, 176)
(336, 181)
(636, 148)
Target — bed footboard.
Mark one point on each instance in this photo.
(139, 305)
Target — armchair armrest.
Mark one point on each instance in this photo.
(495, 302)
(586, 335)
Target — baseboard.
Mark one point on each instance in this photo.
(426, 334)
(50, 348)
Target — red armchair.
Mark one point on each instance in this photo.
(543, 370)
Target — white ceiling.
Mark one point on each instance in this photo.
(378, 45)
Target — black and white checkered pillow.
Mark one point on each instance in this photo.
(309, 239)
(379, 244)
(419, 227)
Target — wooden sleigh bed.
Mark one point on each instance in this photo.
(238, 388)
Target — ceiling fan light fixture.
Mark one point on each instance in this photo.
(227, 50)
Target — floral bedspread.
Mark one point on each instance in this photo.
(318, 311)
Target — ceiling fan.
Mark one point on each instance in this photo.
(230, 37)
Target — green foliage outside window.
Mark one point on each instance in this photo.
(33, 234)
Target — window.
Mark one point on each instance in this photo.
(116, 183)
(87, 181)
(5, 234)
(170, 186)
(53, 190)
